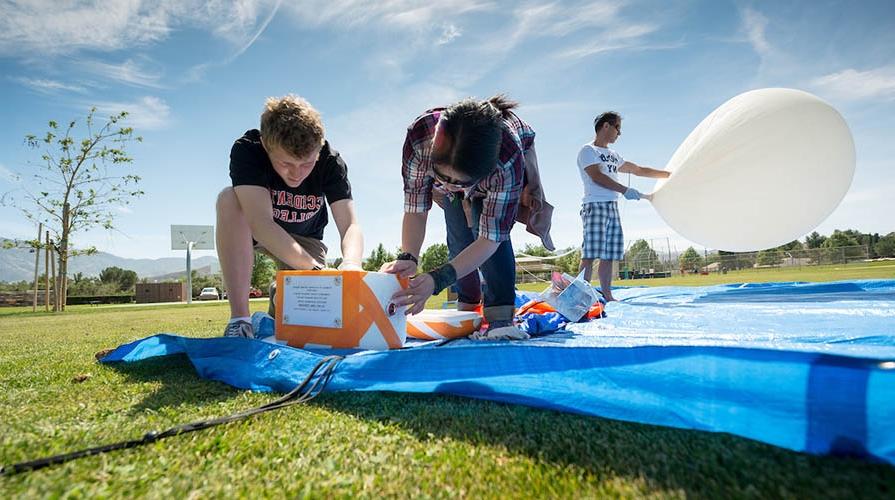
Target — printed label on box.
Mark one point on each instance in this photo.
(313, 301)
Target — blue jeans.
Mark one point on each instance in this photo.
(499, 271)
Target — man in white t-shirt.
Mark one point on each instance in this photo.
(599, 167)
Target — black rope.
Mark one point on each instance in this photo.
(307, 390)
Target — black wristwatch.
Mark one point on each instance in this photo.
(407, 256)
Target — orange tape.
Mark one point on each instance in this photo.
(444, 329)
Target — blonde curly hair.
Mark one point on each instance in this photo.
(292, 124)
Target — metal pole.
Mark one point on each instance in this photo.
(40, 230)
(189, 273)
(47, 273)
(668, 256)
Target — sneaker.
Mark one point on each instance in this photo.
(239, 329)
(500, 330)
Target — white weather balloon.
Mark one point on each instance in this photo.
(763, 169)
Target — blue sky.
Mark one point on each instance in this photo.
(194, 75)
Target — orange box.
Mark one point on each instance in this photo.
(339, 309)
(437, 324)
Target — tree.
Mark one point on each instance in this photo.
(264, 271)
(377, 258)
(79, 183)
(815, 240)
(89, 286)
(570, 261)
(641, 256)
(18, 286)
(792, 245)
(770, 257)
(840, 239)
(871, 244)
(204, 281)
(885, 247)
(124, 279)
(434, 257)
(690, 260)
(535, 251)
(834, 243)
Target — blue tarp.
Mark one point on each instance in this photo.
(809, 367)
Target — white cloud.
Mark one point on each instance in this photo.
(554, 19)
(411, 28)
(627, 38)
(601, 26)
(148, 112)
(448, 34)
(754, 25)
(48, 86)
(878, 83)
(53, 28)
(241, 31)
(48, 27)
(130, 71)
(386, 14)
(8, 175)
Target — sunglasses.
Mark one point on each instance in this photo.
(443, 179)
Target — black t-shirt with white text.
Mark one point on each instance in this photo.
(299, 210)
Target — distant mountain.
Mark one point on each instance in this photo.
(201, 271)
(17, 264)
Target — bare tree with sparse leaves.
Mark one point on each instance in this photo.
(78, 184)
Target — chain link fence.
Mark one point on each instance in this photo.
(646, 262)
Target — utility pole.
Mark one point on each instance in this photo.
(53, 270)
(40, 230)
(47, 272)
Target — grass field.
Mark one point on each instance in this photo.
(56, 398)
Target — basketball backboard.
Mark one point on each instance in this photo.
(201, 236)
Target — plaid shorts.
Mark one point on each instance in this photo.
(603, 237)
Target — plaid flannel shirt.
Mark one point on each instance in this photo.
(501, 190)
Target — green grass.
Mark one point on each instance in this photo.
(363, 444)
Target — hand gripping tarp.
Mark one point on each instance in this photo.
(809, 367)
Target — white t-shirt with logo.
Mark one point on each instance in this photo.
(608, 162)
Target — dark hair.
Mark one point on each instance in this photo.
(610, 117)
(475, 129)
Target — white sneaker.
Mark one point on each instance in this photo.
(239, 329)
(500, 330)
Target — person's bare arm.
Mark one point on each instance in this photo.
(350, 232)
(631, 167)
(258, 211)
(413, 233)
(593, 171)
(473, 256)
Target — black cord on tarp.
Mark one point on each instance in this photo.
(307, 390)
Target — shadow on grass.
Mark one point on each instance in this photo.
(180, 384)
(699, 464)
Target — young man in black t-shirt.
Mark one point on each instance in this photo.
(281, 176)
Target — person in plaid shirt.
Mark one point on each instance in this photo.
(470, 159)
